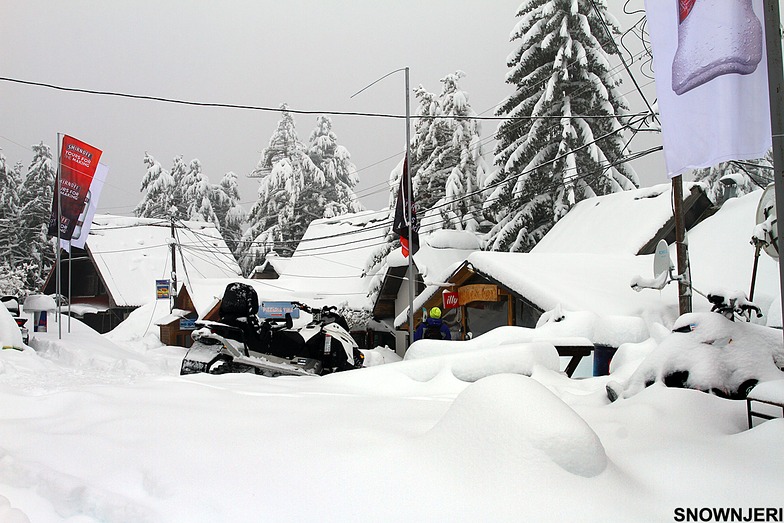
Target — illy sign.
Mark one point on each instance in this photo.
(450, 300)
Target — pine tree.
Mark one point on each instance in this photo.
(376, 264)
(290, 196)
(340, 174)
(9, 210)
(179, 172)
(563, 141)
(158, 200)
(447, 158)
(429, 134)
(197, 195)
(231, 216)
(35, 198)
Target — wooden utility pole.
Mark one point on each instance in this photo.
(173, 292)
(776, 91)
(681, 247)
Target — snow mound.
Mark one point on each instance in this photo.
(379, 356)
(9, 514)
(10, 335)
(518, 418)
(69, 496)
(477, 364)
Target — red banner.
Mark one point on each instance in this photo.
(78, 162)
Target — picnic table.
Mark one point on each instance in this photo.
(769, 393)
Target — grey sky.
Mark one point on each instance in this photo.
(311, 54)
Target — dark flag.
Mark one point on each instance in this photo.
(404, 211)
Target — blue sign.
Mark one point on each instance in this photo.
(162, 289)
(187, 325)
(278, 309)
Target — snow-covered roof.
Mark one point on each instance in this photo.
(330, 259)
(575, 281)
(131, 253)
(622, 222)
(720, 255)
(205, 293)
(440, 252)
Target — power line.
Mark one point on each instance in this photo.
(255, 107)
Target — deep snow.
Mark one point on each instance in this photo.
(102, 428)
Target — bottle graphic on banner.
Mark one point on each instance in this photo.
(715, 37)
(77, 232)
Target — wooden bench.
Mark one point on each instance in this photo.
(766, 393)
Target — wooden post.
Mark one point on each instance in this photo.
(776, 91)
(173, 292)
(682, 252)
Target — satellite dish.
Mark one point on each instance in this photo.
(766, 213)
(662, 263)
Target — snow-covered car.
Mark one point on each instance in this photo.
(12, 304)
(708, 352)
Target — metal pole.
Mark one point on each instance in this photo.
(776, 91)
(70, 278)
(410, 219)
(58, 258)
(681, 249)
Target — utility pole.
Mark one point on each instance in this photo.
(776, 91)
(173, 245)
(681, 247)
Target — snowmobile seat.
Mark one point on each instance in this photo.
(256, 336)
(239, 300)
(239, 307)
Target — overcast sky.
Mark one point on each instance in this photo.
(312, 55)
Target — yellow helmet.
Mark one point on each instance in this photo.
(435, 313)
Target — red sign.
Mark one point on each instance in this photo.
(450, 300)
(78, 162)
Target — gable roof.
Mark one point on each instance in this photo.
(329, 261)
(630, 222)
(596, 283)
(131, 253)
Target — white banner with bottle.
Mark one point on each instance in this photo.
(88, 211)
(711, 80)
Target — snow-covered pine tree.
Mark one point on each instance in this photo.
(376, 265)
(290, 196)
(429, 133)
(9, 210)
(157, 201)
(447, 158)
(461, 206)
(13, 279)
(340, 174)
(178, 173)
(563, 141)
(35, 197)
(225, 199)
(13, 267)
(197, 195)
(734, 178)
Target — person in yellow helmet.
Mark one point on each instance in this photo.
(433, 327)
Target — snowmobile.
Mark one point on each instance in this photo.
(241, 343)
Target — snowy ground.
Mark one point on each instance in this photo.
(104, 429)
